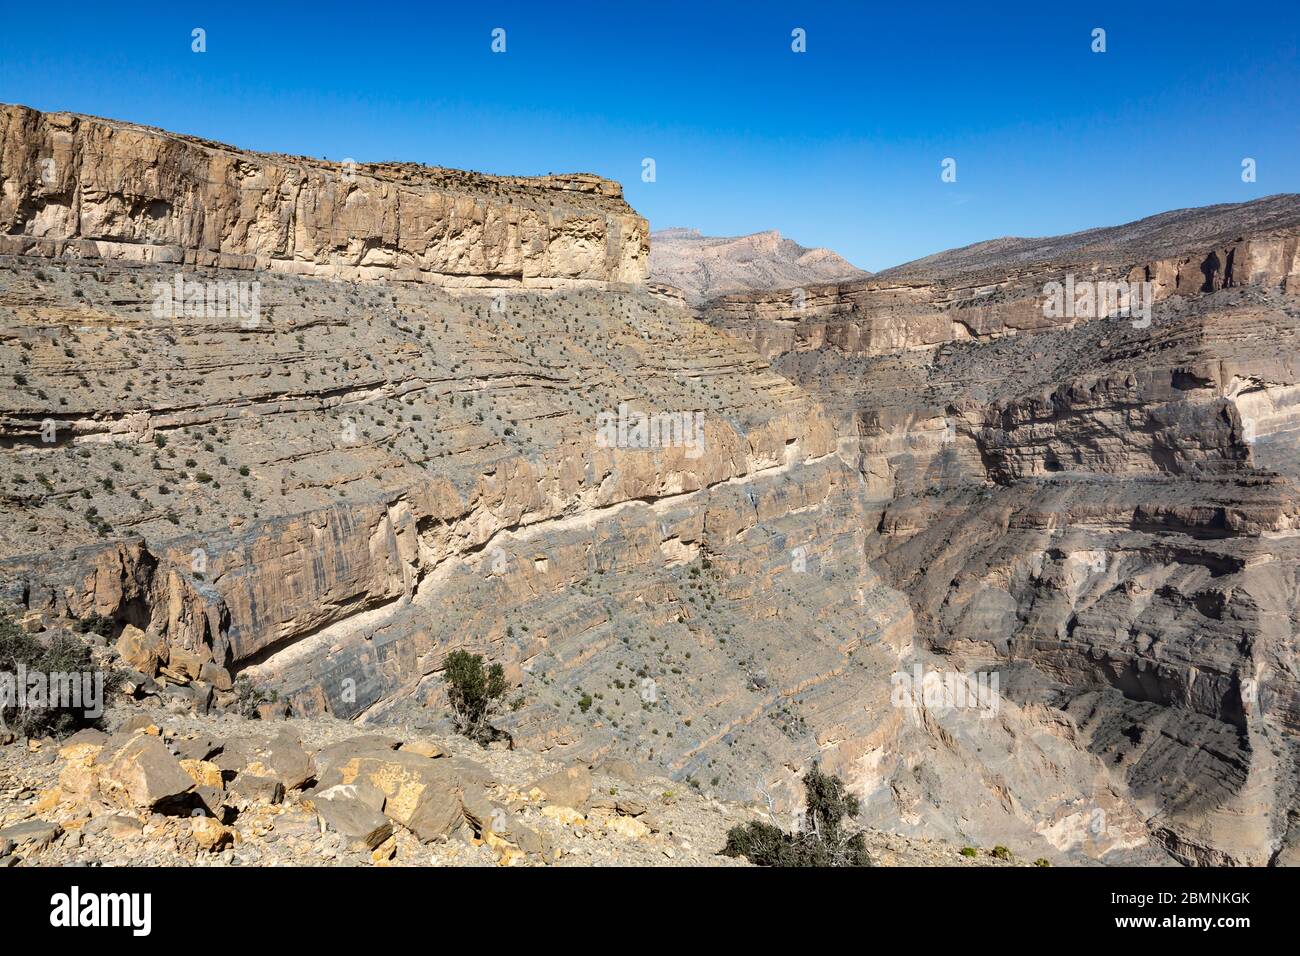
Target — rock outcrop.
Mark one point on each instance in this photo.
(75, 186)
(462, 806)
(997, 288)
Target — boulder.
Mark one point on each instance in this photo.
(425, 748)
(201, 747)
(144, 774)
(290, 762)
(203, 773)
(31, 834)
(421, 794)
(256, 788)
(216, 675)
(360, 824)
(184, 662)
(144, 652)
(280, 757)
(87, 736)
(210, 834)
(570, 787)
(202, 697)
(327, 758)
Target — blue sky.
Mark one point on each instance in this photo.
(840, 146)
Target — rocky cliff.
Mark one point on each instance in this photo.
(1102, 510)
(82, 187)
(997, 288)
(722, 561)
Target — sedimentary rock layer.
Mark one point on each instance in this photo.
(1105, 513)
(996, 289)
(331, 501)
(75, 186)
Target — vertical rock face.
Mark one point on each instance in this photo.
(1104, 511)
(81, 187)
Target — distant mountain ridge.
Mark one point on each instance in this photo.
(705, 266)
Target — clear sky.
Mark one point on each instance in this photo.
(840, 146)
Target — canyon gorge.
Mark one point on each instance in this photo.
(911, 471)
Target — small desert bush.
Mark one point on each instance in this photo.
(822, 840)
(57, 653)
(475, 692)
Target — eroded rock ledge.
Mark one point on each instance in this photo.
(75, 186)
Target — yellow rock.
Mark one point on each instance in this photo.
(80, 753)
(204, 773)
(629, 827)
(425, 748)
(209, 834)
(78, 780)
(507, 853)
(384, 852)
(49, 799)
(565, 815)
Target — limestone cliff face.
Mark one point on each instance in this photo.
(990, 294)
(81, 187)
(1106, 515)
(376, 475)
(332, 499)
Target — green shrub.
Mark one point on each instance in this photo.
(58, 653)
(248, 697)
(969, 851)
(475, 693)
(823, 839)
(1000, 853)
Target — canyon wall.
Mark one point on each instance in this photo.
(1104, 512)
(979, 297)
(327, 501)
(76, 186)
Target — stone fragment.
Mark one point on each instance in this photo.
(144, 652)
(425, 748)
(203, 773)
(184, 662)
(144, 774)
(256, 788)
(113, 825)
(290, 762)
(567, 788)
(202, 747)
(423, 795)
(210, 834)
(327, 758)
(361, 825)
(31, 835)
